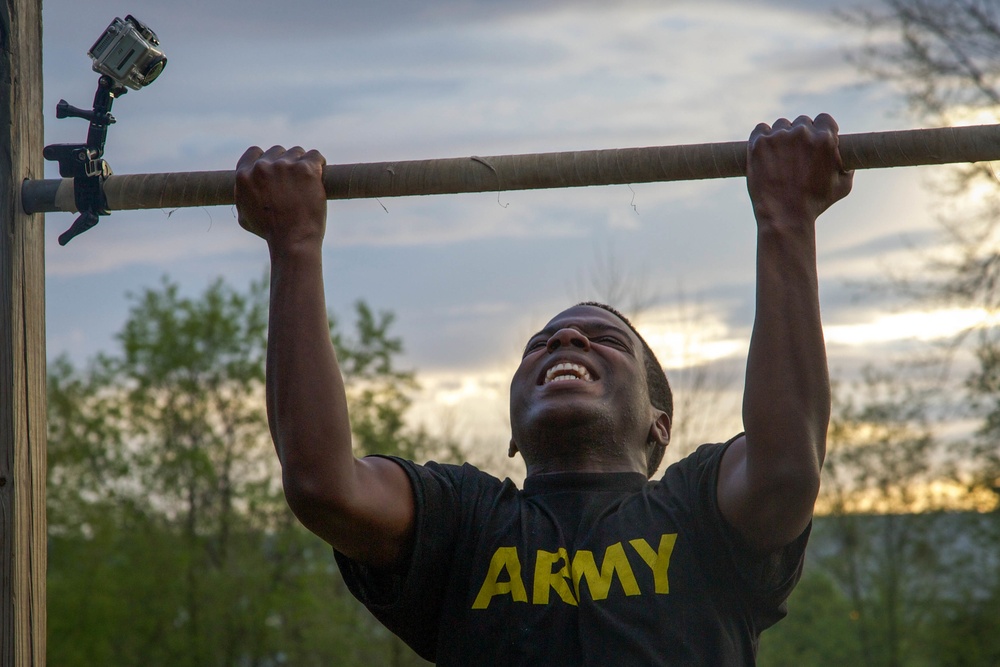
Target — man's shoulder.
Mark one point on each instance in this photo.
(709, 453)
(456, 476)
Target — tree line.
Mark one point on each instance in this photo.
(920, 583)
(170, 542)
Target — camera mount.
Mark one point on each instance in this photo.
(85, 163)
(126, 57)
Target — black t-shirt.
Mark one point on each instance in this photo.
(578, 569)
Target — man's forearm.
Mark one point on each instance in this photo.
(307, 407)
(769, 479)
(363, 508)
(786, 405)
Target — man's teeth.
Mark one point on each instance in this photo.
(565, 371)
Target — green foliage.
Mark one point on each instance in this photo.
(984, 387)
(966, 635)
(905, 567)
(880, 453)
(913, 590)
(170, 541)
(880, 460)
(819, 630)
(378, 394)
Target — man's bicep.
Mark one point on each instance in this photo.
(373, 522)
(731, 491)
(767, 507)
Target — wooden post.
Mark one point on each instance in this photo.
(22, 343)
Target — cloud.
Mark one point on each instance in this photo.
(468, 276)
(922, 326)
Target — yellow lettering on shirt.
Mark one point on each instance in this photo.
(658, 561)
(560, 572)
(505, 558)
(546, 579)
(599, 583)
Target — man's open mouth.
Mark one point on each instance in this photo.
(567, 371)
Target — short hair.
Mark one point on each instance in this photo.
(660, 395)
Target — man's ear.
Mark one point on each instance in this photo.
(659, 431)
(512, 450)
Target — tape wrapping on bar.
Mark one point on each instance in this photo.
(530, 171)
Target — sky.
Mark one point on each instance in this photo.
(470, 277)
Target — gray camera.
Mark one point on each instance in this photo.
(127, 53)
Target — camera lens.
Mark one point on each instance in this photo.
(153, 69)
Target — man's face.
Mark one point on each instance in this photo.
(584, 373)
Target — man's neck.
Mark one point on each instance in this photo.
(586, 460)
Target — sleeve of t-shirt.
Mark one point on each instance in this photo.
(764, 580)
(407, 598)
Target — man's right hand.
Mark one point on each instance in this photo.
(280, 195)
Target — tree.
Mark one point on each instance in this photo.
(944, 55)
(967, 634)
(819, 628)
(171, 543)
(379, 395)
(877, 473)
(906, 562)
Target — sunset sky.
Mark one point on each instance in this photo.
(469, 277)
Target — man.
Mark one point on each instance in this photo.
(591, 563)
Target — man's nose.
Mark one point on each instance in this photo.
(570, 337)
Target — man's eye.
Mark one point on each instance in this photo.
(534, 345)
(611, 340)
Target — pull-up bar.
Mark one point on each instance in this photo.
(613, 166)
